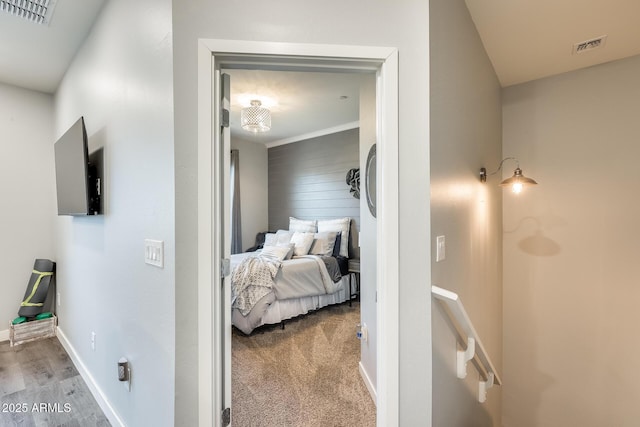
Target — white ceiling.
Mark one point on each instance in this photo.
(525, 40)
(530, 39)
(36, 56)
(301, 103)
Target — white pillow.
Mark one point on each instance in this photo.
(340, 225)
(283, 237)
(275, 252)
(270, 239)
(303, 225)
(290, 246)
(323, 243)
(303, 242)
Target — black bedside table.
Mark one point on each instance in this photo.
(354, 272)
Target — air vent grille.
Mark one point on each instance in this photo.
(37, 11)
(588, 45)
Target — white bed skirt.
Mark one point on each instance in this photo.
(270, 311)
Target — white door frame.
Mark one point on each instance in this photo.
(383, 60)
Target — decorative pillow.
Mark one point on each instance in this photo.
(323, 243)
(270, 239)
(303, 225)
(290, 246)
(336, 246)
(303, 242)
(340, 225)
(283, 237)
(275, 252)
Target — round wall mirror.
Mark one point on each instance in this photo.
(370, 180)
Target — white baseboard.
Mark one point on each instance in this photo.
(368, 383)
(96, 391)
(4, 335)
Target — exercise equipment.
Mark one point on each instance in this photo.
(37, 290)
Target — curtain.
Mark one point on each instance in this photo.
(236, 226)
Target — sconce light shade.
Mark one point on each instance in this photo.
(516, 182)
(255, 118)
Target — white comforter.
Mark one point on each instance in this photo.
(298, 277)
(296, 280)
(301, 285)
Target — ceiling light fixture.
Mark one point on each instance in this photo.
(38, 11)
(255, 118)
(516, 182)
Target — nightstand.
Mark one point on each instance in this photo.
(354, 273)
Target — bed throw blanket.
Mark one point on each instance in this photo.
(332, 268)
(328, 270)
(251, 280)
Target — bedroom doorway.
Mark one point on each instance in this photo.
(213, 318)
(323, 127)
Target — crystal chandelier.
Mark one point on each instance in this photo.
(255, 118)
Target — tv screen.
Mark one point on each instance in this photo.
(75, 176)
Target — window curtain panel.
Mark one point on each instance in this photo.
(236, 223)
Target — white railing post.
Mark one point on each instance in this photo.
(483, 386)
(464, 356)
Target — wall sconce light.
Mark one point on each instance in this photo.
(516, 182)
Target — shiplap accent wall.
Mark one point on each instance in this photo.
(307, 180)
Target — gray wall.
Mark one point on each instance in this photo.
(253, 189)
(571, 269)
(404, 25)
(307, 181)
(121, 82)
(27, 191)
(465, 135)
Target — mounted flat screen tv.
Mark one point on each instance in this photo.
(77, 183)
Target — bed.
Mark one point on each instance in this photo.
(293, 274)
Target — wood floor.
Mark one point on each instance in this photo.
(40, 387)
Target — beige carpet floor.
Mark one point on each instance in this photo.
(304, 375)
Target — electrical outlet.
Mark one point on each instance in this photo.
(93, 341)
(124, 373)
(365, 332)
(58, 299)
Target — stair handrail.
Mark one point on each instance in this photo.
(474, 350)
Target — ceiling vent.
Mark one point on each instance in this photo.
(37, 11)
(588, 45)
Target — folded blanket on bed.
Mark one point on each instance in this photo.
(251, 280)
(326, 270)
(332, 268)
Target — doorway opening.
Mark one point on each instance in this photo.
(214, 324)
(315, 367)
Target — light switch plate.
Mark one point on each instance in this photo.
(440, 248)
(154, 252)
